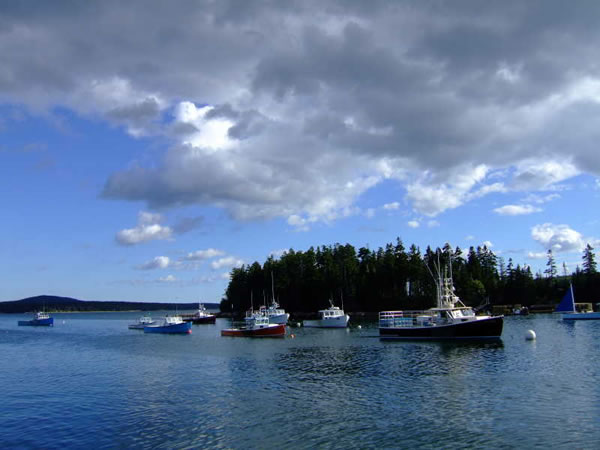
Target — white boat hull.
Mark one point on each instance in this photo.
(333, 322)
(279, 318)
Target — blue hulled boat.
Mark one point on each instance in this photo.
(40, 319)
(170, 325)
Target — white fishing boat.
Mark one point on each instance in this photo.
(275, 313)
(332, 317)
(568, 311)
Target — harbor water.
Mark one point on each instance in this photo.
(90, 382)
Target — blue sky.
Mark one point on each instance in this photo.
(145, 158)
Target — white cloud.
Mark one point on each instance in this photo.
(432, 223)
(278, 253)
(516, 210)
(228, 261)
(159, 262)
(559, 238)
(537, 255)
(391, 206)
(413, 223)
(167, 279)
(488, 244)
(536, 174)
(432, 197)
(277, 134)
(200, 255)
(148, 229)
(370, 213)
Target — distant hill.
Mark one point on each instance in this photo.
(54, 303)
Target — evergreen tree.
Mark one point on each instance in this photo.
(589, 260)
(550, 266)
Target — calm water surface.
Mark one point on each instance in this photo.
(89, 382)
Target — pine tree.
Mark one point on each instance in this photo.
(551, 266)
(589, 260)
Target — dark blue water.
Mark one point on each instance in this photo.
(89, 382)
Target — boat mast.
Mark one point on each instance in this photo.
(272, 287)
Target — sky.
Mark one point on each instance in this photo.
(148, 147)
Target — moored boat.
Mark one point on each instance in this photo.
(199, 317)
(256, 325)
(451, 319)
(170, 325)
(275, 313)
(40, 319)
(568, 310)
(142, 322)
(332, 317)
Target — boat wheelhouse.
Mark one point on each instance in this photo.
(141, 322)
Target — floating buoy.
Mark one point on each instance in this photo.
(530, 335)
(299, 324)
(359, 327)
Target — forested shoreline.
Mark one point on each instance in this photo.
(393, 277)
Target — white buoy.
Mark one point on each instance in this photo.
(530, 335)
(299, 324)
(358, 326)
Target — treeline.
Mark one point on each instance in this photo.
(52, 303)
(393, 277)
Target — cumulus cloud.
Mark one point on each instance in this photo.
(147, 229)
(159, 262)
(167, 279)
(391, 206)
(413, 223)
(298, 121)
(200, 255)
(228, 261)
(558, 238)
(516, 210)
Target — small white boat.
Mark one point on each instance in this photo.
(568, 311)
(141, 323)
(332, 317)
(275, 313)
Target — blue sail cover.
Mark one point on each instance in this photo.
(567, 304)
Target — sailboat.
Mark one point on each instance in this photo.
(566, 308)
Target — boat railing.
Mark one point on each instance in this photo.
(395, 319)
